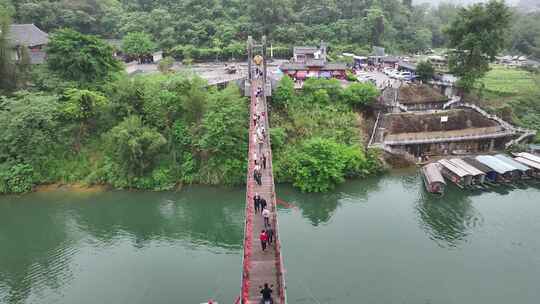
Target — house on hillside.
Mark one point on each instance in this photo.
(31, 37)
(305, 54)
(311, 62)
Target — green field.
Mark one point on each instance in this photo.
(508, 81)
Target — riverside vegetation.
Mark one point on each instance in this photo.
(82, 120)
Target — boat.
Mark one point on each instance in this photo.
(521, 171)
(478, 176)
(490, 179)
(503, 172)
(455, 174)
(433, 180)
(535, 167)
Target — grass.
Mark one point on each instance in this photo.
(508, 81)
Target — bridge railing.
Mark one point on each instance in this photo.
(248, 228)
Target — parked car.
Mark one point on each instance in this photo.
(388, 71)
(393, 74)
(404, 76)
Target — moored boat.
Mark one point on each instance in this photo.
(433, 179)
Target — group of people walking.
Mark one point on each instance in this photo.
(260, 158)
(267, 234)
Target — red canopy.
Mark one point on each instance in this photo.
(301, 74)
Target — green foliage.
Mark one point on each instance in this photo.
(220, 27)
(82, 58)
(224, 136)
(508, 81)
(132, 147)
(18, 178)
(165, 65)
(478, 35)
(284, 93)
(318, 165)
(138, 44)
(82, 105)
(7, 66)
(30, 128)
(425, 71)
(360, 94)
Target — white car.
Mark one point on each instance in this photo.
(387, 71)
(404, 76)
(393, 74)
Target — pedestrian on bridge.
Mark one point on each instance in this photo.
(266, 216)
(257, 202)
(266, 293)
(257, 176)
(264, 238)
(270, 233)
(263, 161)
(262, 204)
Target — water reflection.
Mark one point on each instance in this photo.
(193, 216)
(319, 208)
(449, 219)
(41, 233)
(35, 250)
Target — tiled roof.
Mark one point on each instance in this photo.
(28, 35)
(305, 49)
(303, 67)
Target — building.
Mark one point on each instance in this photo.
(314, 69)
(311, 62)
(305, 54)
(418, 97)
(407, 67)
(458, 131)
(31, 37)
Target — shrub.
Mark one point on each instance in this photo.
(18, 178)
(318, 165)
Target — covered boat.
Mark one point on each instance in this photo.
(455, 174)
(535, 167)
(478, 176)
(521, 171)
(529, 156)
(433, 180)
(490, 174)
(504, 172)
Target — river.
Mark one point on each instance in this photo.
(379, 240)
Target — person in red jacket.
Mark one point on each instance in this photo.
(264, 238)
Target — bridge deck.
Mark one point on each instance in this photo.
(260, 266)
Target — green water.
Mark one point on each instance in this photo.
(381, 240)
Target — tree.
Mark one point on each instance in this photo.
(30, 128)
(360, 94)
(318, 165)
(284, 93)
(478, 35)
(138, 44)
(375, 20)
(425, 71)
(82, 106)
(82, 58)
(223, 138)
(134, 147)
(165, 64)
(7, 66)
